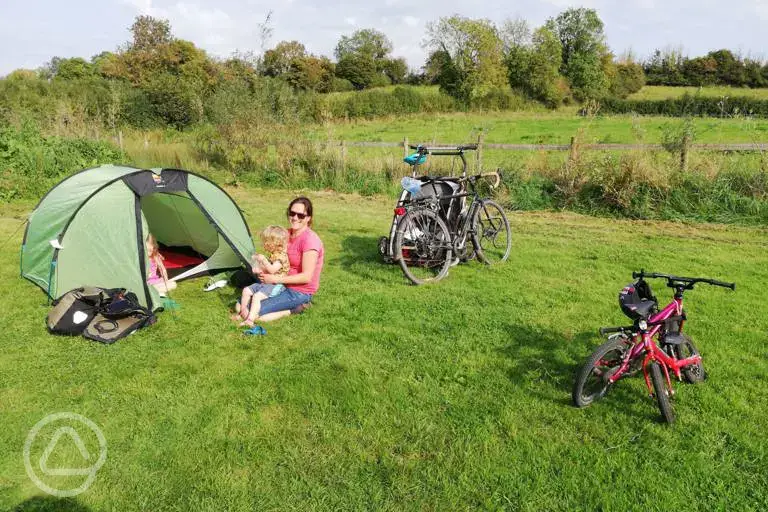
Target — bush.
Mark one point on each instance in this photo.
(688, 105)
(30, 163)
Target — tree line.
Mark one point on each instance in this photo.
(156, 79)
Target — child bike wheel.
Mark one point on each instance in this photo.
(592, 381)
(661, 392)
(694, 373)
(423, 246)
(491, 234)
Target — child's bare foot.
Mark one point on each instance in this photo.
(246, 323)
(236, 317)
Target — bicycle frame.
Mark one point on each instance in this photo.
(644, 344)
(461, 227)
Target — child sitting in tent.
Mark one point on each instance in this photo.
(158, 275)
(275, 242)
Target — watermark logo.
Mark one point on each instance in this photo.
(74, 428)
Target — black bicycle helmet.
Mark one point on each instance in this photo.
(637, 300)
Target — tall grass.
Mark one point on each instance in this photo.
(640, 184)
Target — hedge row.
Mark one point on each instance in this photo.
(689, 105)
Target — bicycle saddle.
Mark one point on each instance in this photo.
(642, 309)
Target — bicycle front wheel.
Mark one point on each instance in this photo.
(491, 234)
(423, 246)
(661, 392)
(592, 381)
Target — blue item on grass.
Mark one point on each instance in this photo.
(256, 330)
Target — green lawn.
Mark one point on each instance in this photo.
(658, 92)
(395, 397)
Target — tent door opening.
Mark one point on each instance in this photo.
(190, 244)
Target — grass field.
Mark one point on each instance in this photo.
(658, 92)
(537, 128)
(392, 397)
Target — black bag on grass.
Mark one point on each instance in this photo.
(118, 317)
(99, 314)
(74, 310)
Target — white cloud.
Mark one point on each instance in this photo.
(350, 21)
(411, 21)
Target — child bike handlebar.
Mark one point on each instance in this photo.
(688, 281)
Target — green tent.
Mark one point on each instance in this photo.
(91, 227)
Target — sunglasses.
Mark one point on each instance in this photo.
(299, 215)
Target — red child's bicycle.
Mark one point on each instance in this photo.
(655, 342)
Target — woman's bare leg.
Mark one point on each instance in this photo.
(271, 317)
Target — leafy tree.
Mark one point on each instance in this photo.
(544, 81)
(278, 60)
(149, 33)
(699, 71)
(753, 73)
(311, 73)
(73, 69)
(368, 42)
(580, 31)
(665, 67)
(629, 78)
(730, 70)
(359, 69)
(22, 75)
(395, 69)
(475, 56)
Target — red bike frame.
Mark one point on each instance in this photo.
(644, 344)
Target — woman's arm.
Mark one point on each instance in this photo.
(308, 265)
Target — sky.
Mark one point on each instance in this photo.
(34, 31)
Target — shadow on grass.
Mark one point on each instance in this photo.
(50, 504)
(547, 362)
(360, 256)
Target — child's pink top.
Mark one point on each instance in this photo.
(154, 276)
(307, 241)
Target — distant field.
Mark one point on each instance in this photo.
(658, 92)
(535, 128)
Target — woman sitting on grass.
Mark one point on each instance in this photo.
(305, 255)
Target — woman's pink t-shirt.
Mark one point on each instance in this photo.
(307, 241)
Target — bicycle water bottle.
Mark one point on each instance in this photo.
(410, 185)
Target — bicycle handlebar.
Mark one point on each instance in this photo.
(426, 149)
(687, 280)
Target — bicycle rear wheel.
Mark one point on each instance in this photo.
(491, 234)
(661, 392)
(423, 246)
(592, 381)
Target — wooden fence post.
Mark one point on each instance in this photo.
(479, 153)
(573, 152)
(120, 139)
(343, 146)
(405, 147)
(684, 152)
